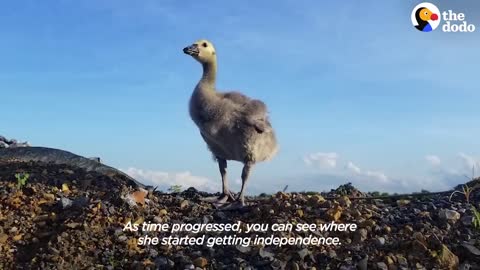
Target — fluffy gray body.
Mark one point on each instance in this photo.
(234, 126)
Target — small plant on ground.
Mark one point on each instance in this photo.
(466, 191)
(175, 189)
(21, 179)
(476, 218)
(112, 261)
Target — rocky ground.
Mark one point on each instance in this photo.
(60, 217)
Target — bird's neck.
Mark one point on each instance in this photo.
(209, 75)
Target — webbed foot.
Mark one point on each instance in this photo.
(224, 199)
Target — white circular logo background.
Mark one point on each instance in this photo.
(430, 6)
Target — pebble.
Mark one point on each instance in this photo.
(403, 202)
(266, 254)
(184, 204)
(408, 229)
(449, 215)
(153, 253)
(362, 263)
(402, 261)
(80, 202)
(243, 249)
(344, 201)
(380, 241)
(200, 262)
(361, 235)
(382, 266)
(332, 254)
(294, 266)
(66, 203)
(303, 253)
(163, 263)
(122, 238)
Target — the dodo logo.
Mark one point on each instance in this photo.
(426, 17)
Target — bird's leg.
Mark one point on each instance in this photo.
(226, 194)
(245, 173)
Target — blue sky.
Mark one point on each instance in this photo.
(355, 92)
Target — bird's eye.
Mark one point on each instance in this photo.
(204, 44)
(426, 13)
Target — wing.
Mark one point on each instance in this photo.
(252, 107)
(260, 125)
(236, 97)
(254, 110)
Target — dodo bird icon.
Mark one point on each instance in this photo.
(424, 17)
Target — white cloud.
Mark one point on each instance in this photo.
(469, 162)
(323, 160)
(443, 174)
(373, 175)
(164, 179)
(376, 175)
(330, 161)
(433, 160)
(353, 168)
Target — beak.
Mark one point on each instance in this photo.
(191, 50)
(434, 17)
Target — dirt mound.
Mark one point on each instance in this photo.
(58, 217)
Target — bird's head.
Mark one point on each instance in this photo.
(202, 51)
(426, 15)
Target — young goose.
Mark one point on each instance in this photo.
(234, 126)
